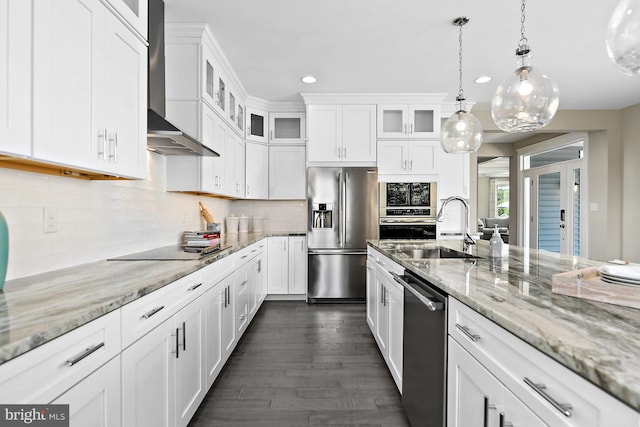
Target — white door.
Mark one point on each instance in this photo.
(474, 396)
(15, 77)
(382, 313)
(395, 303)
(239, 167)
(257, 171)
(392, 157)
(287, 173)
(256, 125)
(325, 133)
(67, 79)
(278, 271)
(230, 183)
(372, 294)
(148, 379)
(554, 208)
(297, 265)
(242, 298)
(359, 133)
(96, 400)
(423, 157)
(125, 78)
(190, 389)
(214, 304)
(228, 317)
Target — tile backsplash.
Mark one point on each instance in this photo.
(279, 215)
(96, 219)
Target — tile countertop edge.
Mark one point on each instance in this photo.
(36, 316)
(614, 374)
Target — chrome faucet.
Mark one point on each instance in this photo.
(468, 240)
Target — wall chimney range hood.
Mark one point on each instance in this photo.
(163, 137)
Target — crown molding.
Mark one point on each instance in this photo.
(373, 98)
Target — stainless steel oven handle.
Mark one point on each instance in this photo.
(431, 305)
(407, 221)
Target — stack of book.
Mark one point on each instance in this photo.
(196, 241)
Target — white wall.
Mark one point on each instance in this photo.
(483, 197)
(96, 219)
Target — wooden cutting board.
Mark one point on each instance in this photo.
(587, 284)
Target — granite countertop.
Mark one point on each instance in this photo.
(598, 341)
(39, 308)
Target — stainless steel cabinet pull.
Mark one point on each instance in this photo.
(411, 129)
(103, 136)
(225, 296)
(271, 135)
(563, 408)
(243, 283)
(243, 257)
(150, 313)
(404, 166)
(465, 330)
(381, 294)
(254, 250)
(184, 336)
(229, 294)
(242, 316)
(486, 411)
(504, 423)
(411, 165)
(194, 287)
(177, 344)
(85, 353)
(115, 148)
(339, 152)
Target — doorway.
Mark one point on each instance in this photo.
(554, 198)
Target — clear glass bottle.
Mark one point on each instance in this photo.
(495, 244)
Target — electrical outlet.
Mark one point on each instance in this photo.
(50, 220)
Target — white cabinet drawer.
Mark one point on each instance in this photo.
(387, 265)
(215, 272)
(44, 373)
(244, 255)
(543, 384)
(144, 314)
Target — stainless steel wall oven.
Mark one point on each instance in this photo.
(407, 210)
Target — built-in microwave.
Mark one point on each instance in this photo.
(407, 210)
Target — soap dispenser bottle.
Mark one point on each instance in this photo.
(495, 244)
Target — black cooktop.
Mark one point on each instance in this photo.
(166, 253)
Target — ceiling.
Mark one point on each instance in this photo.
(411, 46)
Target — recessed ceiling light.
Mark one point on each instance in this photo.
(483, 79)
(308, 79)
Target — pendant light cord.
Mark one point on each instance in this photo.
(460, 98)
(523, 44)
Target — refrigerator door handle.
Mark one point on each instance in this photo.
(337, 252)
(343, 227)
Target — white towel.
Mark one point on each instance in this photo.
(631, 271)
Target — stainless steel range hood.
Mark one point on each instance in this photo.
(162, 136)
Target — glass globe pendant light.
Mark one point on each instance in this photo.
(527, 100)
(462, 132)
(623, 37)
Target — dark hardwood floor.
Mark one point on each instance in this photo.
(301, 364)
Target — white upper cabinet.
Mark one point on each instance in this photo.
(135, 12)
(408, 121)
(287, 172)
(342, 133)
(409, 158)
(286, 128)
(89, 89)
(256, 125)
(15, 81)
(257, 171)
(453, 179)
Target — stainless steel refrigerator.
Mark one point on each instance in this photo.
(342, 208)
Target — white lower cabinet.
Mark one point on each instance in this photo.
(385, 311)
(96, 400)
(477, 398)
(287, 272)
(523, 386)
(148, 379)
(190, 387)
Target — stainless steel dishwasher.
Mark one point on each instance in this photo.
(424, 367)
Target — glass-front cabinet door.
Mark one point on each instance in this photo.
(256, 125)
(135, 12)
(286, 127)
(408, 121)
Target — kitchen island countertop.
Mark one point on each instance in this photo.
(598, 341)
(40, 308)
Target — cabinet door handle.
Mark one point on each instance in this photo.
(151, 312)
(411, 129)
(115, 148)
(177, 344)
(229, 294)
(404, 128)
(194, 287)
(338, 152)
(404, 165)
(244, 256)
(184, 336)
(563, 408)
(248, 190)
(411, 165)
(225, 296)
(242, 316)
(503, 423)
(88, 351)
(259, 266)
(103, 136)
(465, 330)
(243, 283)
(485, 422)
(271, 135)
